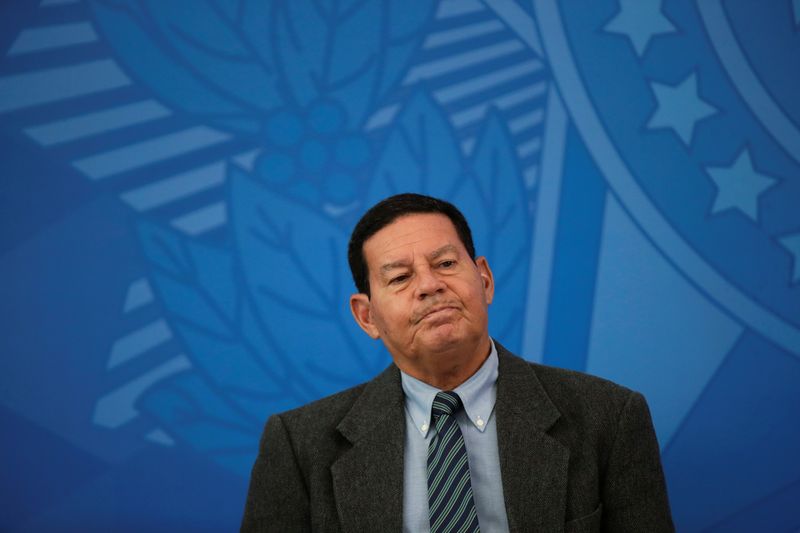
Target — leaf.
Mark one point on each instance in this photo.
(197, 286)
(294, 261)
(421, 154)
(352, 52)
(210, 58)
(499, 179)
(192, 413)
(405, 28)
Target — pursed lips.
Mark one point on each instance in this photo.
(433, 310)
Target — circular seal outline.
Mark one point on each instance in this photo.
(746, 82)
(731, 300)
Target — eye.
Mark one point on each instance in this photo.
(398, 279)
(447, 264)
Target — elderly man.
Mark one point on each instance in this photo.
(458, 434)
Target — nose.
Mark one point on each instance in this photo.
(428, 284)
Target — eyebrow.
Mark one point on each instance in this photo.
(447, 248)
(394, 264)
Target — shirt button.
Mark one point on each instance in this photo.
(479, 422)
(425, 427)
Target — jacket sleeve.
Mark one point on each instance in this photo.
(634, 489)
(277, 499)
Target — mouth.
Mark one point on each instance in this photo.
(436, 311)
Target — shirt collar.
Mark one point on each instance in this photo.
(478, 395)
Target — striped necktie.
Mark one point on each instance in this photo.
(451, 506)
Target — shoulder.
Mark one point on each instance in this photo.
(308, 435)
(579, 399)
(560, 382)
(606, 429)
(327, 417)
(321, 415)
(565, 386)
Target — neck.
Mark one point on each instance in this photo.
(453, 368)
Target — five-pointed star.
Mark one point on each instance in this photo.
(679, 107)
(640, 21)
(739, 186)
(792, 244)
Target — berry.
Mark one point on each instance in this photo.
(284, 129)
(314, 155)
(304, 191)
(326, 117)
(352, 151)
(275, 168)
(340, 188)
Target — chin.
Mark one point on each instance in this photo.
(442, 338)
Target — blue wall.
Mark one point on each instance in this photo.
(179, 180)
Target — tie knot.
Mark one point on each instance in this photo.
(446, 403)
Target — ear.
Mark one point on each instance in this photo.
(362, 311)
(487, 277)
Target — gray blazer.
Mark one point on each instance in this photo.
(577, 453)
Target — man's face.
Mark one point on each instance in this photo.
(428, 299)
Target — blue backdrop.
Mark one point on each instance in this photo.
(179, 180)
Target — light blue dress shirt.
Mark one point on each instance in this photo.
(477, 423)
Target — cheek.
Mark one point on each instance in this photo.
(476, 298)
(387, 318)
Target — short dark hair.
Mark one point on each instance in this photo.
(387, 211)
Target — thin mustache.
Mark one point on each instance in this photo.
(433, 308)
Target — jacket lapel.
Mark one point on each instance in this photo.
(533, 464)
(368, 478)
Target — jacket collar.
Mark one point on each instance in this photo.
(533, 464)
(368, 477)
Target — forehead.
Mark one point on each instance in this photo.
(410, 235)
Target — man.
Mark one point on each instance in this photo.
(457, 434)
